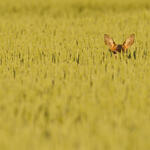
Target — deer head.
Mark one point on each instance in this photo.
(118, 47)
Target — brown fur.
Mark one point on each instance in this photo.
(115, 48)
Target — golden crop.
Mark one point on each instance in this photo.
(60, 88)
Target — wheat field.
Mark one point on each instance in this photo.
(60, 88)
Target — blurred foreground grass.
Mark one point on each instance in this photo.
(59, 87)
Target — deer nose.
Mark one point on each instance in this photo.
(119, 48)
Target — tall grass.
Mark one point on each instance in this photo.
(60, 88)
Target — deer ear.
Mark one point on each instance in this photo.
(129, 41)
(109, 41)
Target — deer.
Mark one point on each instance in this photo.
(118, 48)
